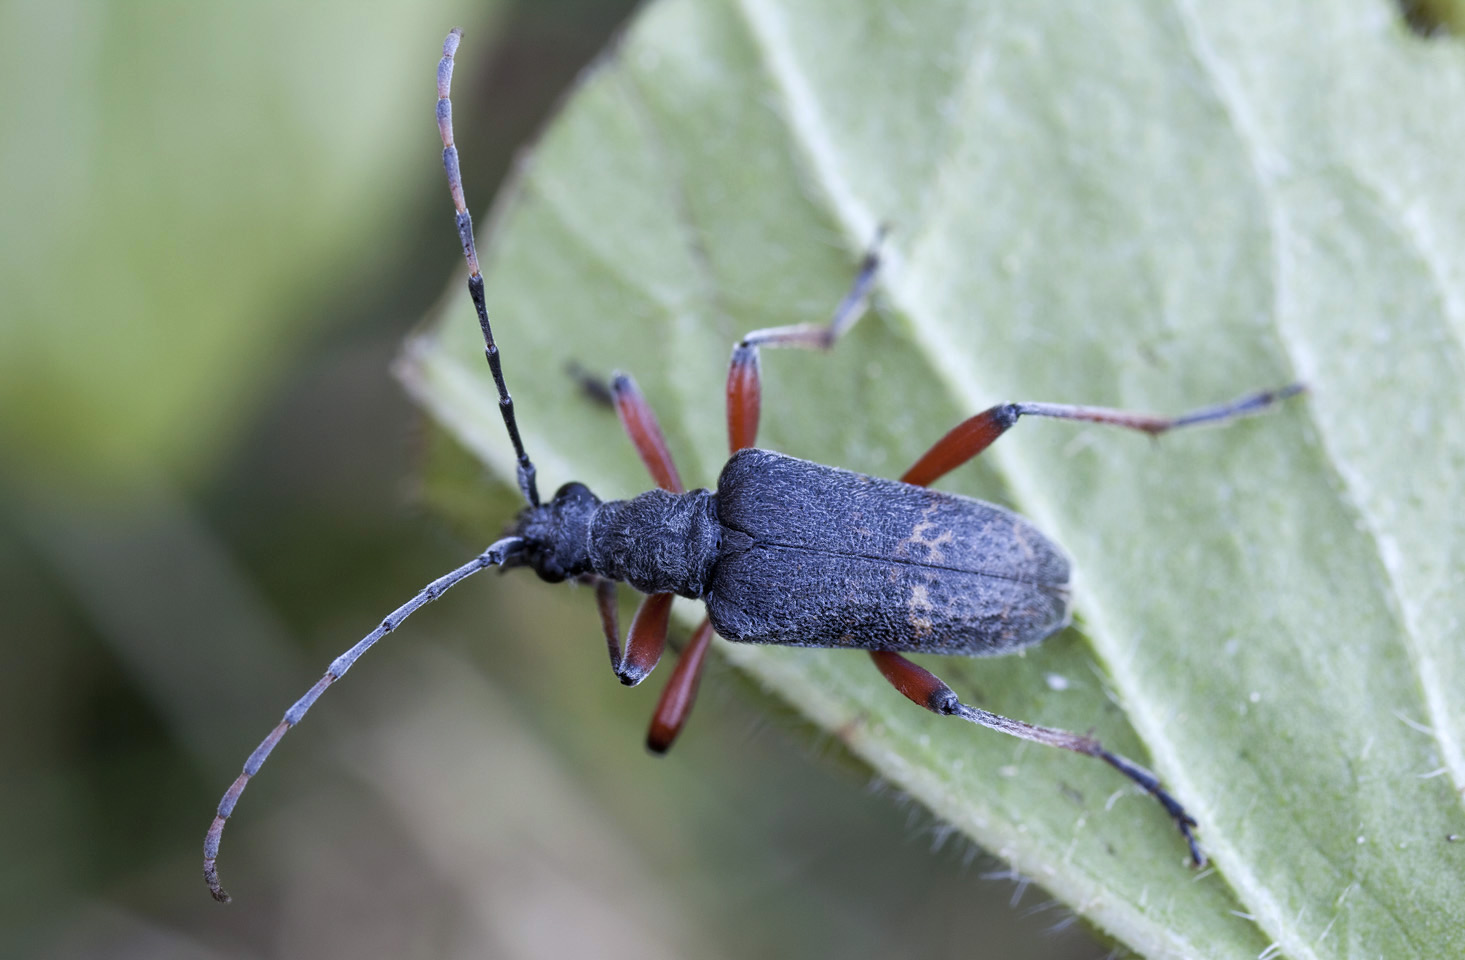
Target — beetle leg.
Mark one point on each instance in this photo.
(646, 639)
(593, 388)
(928, 690)
(744, 382)
(961, 443)
(973, 435)
(744, 398)
(680, 691)
(605, 601)
(822, 336)
(641, 425)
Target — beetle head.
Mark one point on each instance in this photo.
(556, 535)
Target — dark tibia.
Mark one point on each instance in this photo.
(975, 434)
(928, 690)
(744, 381)
(595, 389)
(605, 602)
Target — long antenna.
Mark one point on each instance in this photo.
(475, 278)
(493, 556)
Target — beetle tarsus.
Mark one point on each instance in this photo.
(928, 690)
(1183, 820)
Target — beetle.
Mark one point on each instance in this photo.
(783, 551)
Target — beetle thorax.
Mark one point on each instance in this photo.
(658, 542)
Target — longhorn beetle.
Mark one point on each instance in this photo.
(784, 551)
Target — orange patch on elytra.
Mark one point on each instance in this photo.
(920, 602)
(918, 537)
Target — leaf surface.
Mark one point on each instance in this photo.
(1151, 206)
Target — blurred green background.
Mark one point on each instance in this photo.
(217, 222)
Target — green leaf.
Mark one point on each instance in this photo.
(1151, 206)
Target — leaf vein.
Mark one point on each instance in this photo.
(1233, 102)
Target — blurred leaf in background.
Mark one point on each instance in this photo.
(1148, 206)
(183, 185)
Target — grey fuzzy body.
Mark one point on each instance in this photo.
(821, 557)
(800, 554)
(658, 542)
